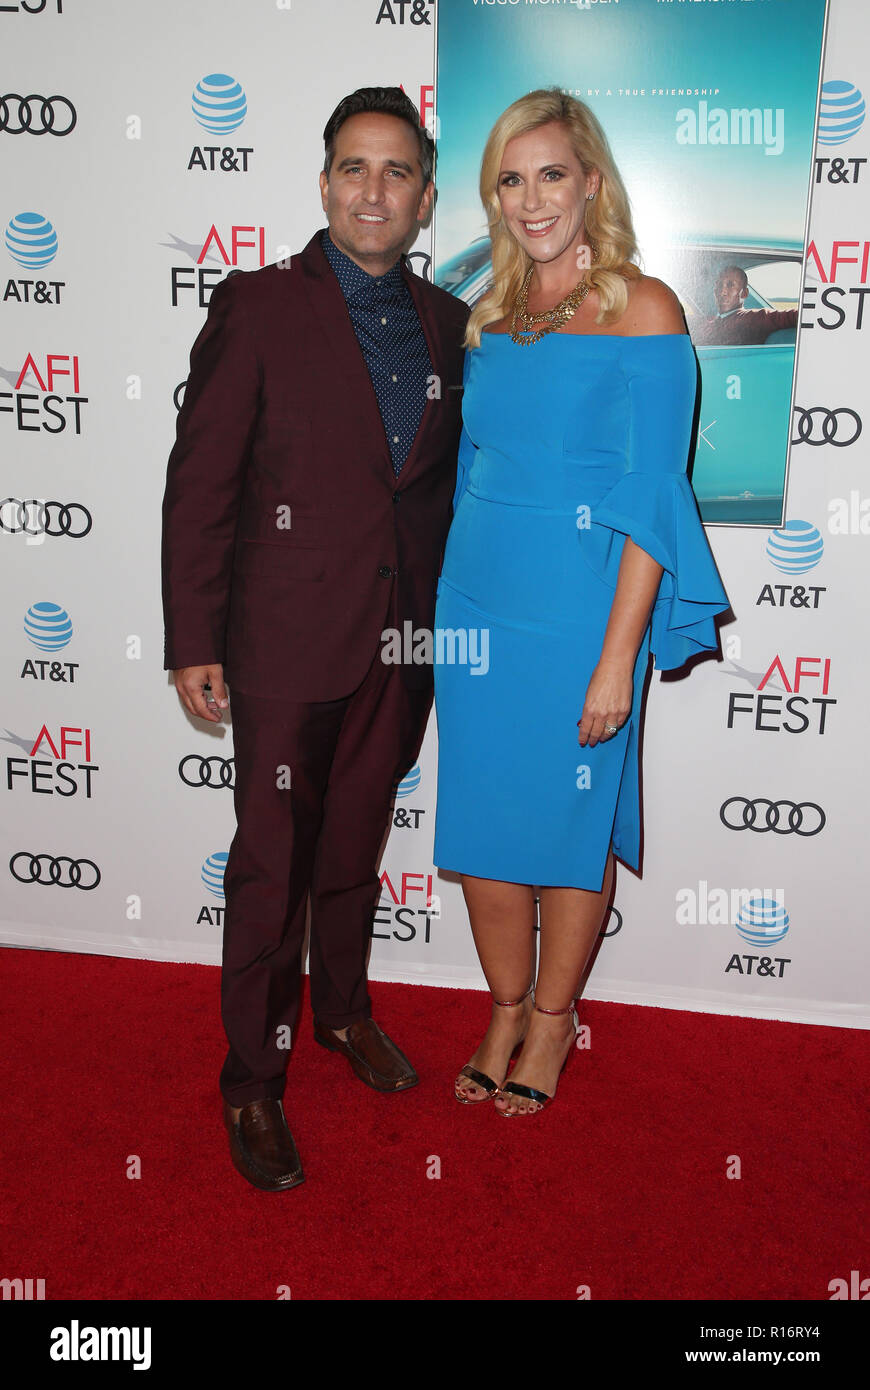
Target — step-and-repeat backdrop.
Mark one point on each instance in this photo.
(147, 151)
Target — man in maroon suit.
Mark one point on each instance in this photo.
(307, 502)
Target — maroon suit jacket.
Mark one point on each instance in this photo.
(280, 413)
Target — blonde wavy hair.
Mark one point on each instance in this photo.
(607, 217)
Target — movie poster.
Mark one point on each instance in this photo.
(710, 110)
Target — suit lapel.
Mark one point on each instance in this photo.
(330, 310)
(437, 357)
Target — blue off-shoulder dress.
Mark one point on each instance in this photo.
(568, 446)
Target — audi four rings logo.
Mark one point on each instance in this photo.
(425, 263)
(782, 817)
(13, 518)
(36, 115)
(195, 771)
(49, 869)
(818, 425)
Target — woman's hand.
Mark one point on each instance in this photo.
(608, 701)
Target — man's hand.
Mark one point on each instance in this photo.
(189, 682)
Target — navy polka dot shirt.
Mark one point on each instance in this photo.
(387, 326)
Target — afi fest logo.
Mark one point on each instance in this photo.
(61, 772)
(406, 907)
(57, 401)
(225, 247)
(843, 290)
(793, 711)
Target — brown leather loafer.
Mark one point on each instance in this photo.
(374, 1057)
(262, 1147)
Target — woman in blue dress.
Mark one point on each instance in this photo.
(575, 550)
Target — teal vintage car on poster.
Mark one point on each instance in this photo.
(741, 299)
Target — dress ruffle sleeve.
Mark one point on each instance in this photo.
(467, 450)
(653, 503)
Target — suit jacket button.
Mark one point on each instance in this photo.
(385, 572)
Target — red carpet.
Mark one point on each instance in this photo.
(619, 1185)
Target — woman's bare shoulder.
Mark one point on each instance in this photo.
(652, 308)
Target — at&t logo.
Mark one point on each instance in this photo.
(49, 628)
(406, 817)
(219, 105)
(212, 875)
(762, 922)
(415, 12)
(793, 549)
(32, 241)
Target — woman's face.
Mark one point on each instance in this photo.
(542, 190)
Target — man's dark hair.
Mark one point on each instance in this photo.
(391, 101)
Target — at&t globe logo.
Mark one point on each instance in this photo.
(841, 112)
(31, 240)
(762, 922)
(410, 782)
(219, 104)
(212, 874)
(48, 626)
(795, 547)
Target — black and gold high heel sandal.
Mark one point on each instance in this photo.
(479, 1078)
(541, 1099)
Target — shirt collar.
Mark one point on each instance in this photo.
(357, 282)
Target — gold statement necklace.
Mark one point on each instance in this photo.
(527, 328)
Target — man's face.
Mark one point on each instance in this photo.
(374, 198)
(730, 291)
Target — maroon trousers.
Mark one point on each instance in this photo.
(322, 835)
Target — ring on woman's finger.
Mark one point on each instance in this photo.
(611, 728)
